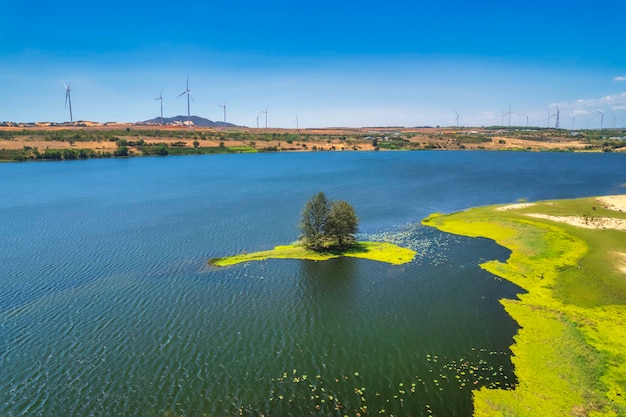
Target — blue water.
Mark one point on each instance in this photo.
(107, 305)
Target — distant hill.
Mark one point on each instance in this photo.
(182, 120)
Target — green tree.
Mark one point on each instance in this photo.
(327, 224)
(121, 151)
(69, 154)
(341, 225)
(161, 150)
(196, 144)
(314, 217)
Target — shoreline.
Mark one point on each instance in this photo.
(570, 351)
(374, 251)
(63, 143)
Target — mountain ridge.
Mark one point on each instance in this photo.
(182, 120)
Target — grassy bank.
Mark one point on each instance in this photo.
(570, 353)
(376, 251)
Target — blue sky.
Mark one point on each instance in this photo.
(330, 63)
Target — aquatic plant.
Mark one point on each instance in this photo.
(570, 354)
(376, 251)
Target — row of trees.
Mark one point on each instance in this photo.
(328, 224)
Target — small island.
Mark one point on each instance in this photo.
(328, 232)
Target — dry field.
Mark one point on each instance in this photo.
(303, 139)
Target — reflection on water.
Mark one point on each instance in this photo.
(107, 306)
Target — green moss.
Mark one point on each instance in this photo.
(376, 251)
(570, 354)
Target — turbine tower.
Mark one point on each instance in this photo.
(526, 116)
(504, 115)
(509, 114)
(601, 119)
(188, 92)
(160, 97)
(68, 99)
(456, 120)
(224, 107)
(265, 111)
(550, 116)
(558, 114)
(573, 120)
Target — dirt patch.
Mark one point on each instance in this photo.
(589, 222)
(614, 202)
(42, 145)
(515, 206)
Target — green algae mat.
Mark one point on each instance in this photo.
(570, 257)
(375, 251)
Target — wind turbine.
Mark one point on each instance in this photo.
(257, 120)
(526, 116)
(550, 116)
(188, 92)
(224, 107)
(509, 114)
(68, 99)
(573, 120)
(265, 111)
(558, 114)
(504, 115)
(456, 120)
(160, 97)
(602, 119)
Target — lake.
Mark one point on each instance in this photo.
(108, 306)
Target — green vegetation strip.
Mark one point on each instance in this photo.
(376, 251)
(570, 353)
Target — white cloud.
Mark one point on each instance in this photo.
(619, 78)
(615, 101)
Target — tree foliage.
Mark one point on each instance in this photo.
(121, 151)
(328, 224)
(341, 224)
(314, 217)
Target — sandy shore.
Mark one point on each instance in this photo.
(611, 202)
(614, 202)
(585, 222)
(515, 206)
